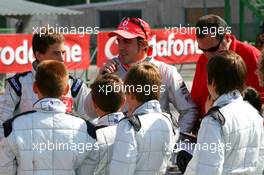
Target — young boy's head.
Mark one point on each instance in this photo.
(143, 83)
(107, 94)
(226, 72)
(48, 45)
(51, 79)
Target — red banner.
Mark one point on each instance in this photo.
(16, 52)
(169, 46)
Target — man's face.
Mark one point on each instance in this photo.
(129, 50)
(211, 43)
(55, 51)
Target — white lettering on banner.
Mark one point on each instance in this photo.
(4, 52)
(178, 47)
(76, 53)
(108, 45)
(163, 48)
(23, 54)
(73, 54)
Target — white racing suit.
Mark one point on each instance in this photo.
(19, 97)
(230, 141)
(144, 142)
(105, 133)
(46, 141)
(175, 92)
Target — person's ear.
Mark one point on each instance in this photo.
(39, 56)
(66, 89)
(123, 103)
(35, 88)
(94, 105)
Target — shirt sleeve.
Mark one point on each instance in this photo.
(180, 97)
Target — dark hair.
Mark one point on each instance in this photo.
(51, 78)
(108, 100)
(228, 71)
(42, 40)
(210, 21)
(253, 97)
(143, 75)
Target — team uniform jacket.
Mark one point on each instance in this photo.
(46, 141)
(19, 97)
(235, 146)
(144, 150)
(175, 92)
(249, 54)
(105, 136)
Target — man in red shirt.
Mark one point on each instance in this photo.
(212, 35)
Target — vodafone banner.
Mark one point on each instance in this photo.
(16, 52)
(169, 46)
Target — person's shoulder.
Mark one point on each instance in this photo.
(246, 48)
(16, 121)
(15, 81)
(75, 85)
(19, 75)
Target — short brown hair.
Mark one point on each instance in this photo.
(43, 39)
(142, 75)
(210, 21)
(51, 78)
(228, 71)
(107, 92)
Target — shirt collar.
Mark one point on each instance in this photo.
(228, 98)
(50, 104)
(148, 107)
(233, 43)
(110, 119)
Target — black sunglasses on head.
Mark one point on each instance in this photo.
(213, 49)
(136, 21)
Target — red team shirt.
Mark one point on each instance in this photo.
(249, 54)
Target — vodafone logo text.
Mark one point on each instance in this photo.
(16, 53)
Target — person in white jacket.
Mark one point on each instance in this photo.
(108, 98)
(145, 138)
(231, 136)
(19, 97)
(47, 140)
(133, 35)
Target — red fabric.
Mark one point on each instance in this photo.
(250, 56)
(129, 29)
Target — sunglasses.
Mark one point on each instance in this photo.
(213, 49)
(136, 21)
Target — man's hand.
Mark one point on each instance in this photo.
(110, 67)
